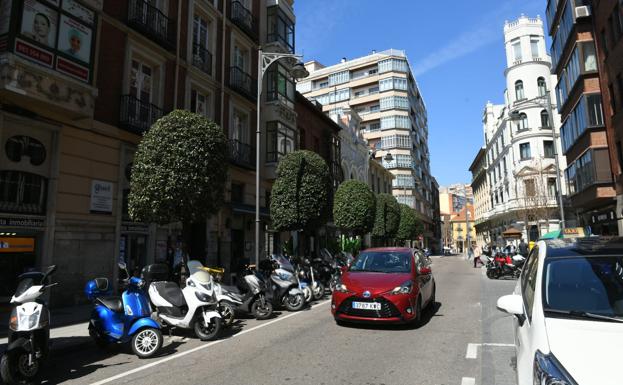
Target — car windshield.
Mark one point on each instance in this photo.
(584, 285)
(382, 262)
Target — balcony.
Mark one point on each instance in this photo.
(244, 19)
(241, 154)
(150, 21)
(242, 83)
(136, 115)
(202, 58)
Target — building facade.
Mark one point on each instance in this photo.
(72, 116)
(482, 201)
(581, 104)
(381, 89)
(521, 142)
(608, 25)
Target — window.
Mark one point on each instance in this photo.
(504, 165)
(524, 151)
(542, 86)
(534, 46)
(548, 148)
(587, 113)
(591, 167)
(551, 187)
(375, 126)
(373, 90)
(280, 85)
(398, 65)
(303, 87)
(528, 281)
(397, 121)
(339, 78)
(516, 44)
(280, 140)
(403, 181)
(522, 122)
(519, 94)
(545, 119)
(396, 141)
(200, 103)
(239, 129)
(323, 84)
(375, 108)
(529, 187)
(393, 83)
(202, 58)
(237, 192)
(589, 57)
(394, 102)
(22, 192)
(280, 28)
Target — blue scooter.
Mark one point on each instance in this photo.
(123, 319)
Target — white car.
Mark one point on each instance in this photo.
(568, 313)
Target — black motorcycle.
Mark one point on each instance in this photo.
(251, 294)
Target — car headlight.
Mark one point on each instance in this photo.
(405, 288)
(548, 371)
(341, 288)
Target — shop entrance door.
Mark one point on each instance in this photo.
(17, 256)
(237, 250)
(133, 250)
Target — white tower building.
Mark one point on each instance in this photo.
(522, 139)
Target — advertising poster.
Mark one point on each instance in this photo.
(39, 23)
(101, 197)
(78, 10)
(74, 39)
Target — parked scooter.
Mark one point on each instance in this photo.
(340, 262)
(29, 329)
(123, 319)
(504, 265)
(283, 285)
(310, 275)
(194, 307)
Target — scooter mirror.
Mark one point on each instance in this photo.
(122, 265)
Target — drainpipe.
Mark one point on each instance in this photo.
(177, 52)
(223, 62)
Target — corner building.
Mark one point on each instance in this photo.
(381, 89)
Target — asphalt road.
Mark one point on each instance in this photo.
(464, 340)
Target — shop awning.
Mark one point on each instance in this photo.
(551, 235)
(513, 233)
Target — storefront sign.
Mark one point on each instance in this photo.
(22, 222)
(101, 197)
(34, 53)
(72, 69)
(79, 11)
(134, 228)
(17, 245)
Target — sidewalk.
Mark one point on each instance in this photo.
(69, 327)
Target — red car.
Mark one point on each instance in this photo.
(390, 285)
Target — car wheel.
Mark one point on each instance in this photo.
(417, 321)
(432, 301)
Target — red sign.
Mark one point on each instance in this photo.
(34, 53)
(72, 69)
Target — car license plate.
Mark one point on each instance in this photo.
(367, 305)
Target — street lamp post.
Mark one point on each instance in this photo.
(550, 120)
(298, 71)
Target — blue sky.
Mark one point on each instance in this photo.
(456, 49)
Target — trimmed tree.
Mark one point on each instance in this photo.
(299, 197)
(354, 207)
(387, 218)
(179, 172)
(408, 227)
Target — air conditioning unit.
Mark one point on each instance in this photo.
(583, 11)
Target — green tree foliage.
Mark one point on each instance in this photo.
(409, 224)
(387, 217)
(179, 170)
(354, 207)
(300, 193)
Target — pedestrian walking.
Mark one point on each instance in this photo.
(523, 248)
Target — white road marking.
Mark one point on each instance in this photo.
(182, 354)
(472, 351)
(468, 381)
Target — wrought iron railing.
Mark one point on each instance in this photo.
(202, 58)
(242, 154)
(151, 21)
(244, 19)
(243, 83)
(136, 115)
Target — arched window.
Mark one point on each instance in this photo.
(519, 94)
(542, 86)
(544, 119)
(522, 122)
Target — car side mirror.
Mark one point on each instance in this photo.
(424, 270)
(513, 305)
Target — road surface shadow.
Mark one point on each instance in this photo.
(427, 315)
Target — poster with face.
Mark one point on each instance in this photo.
(74, 39)
(39, 23)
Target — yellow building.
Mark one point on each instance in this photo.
(459, 226)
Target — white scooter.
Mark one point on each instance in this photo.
(194, 307)
(29, 329)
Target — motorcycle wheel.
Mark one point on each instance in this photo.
(308, 293)
(227, 311)
(210, 332)
(146, 342)
(294, 302)
(319, 291)
(14, 368)
(261, 312)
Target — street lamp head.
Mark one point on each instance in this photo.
(514, 115)
(388, 157)
(299, 71)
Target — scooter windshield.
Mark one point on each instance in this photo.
(23, 286)
(202, 276)
(283, 262)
